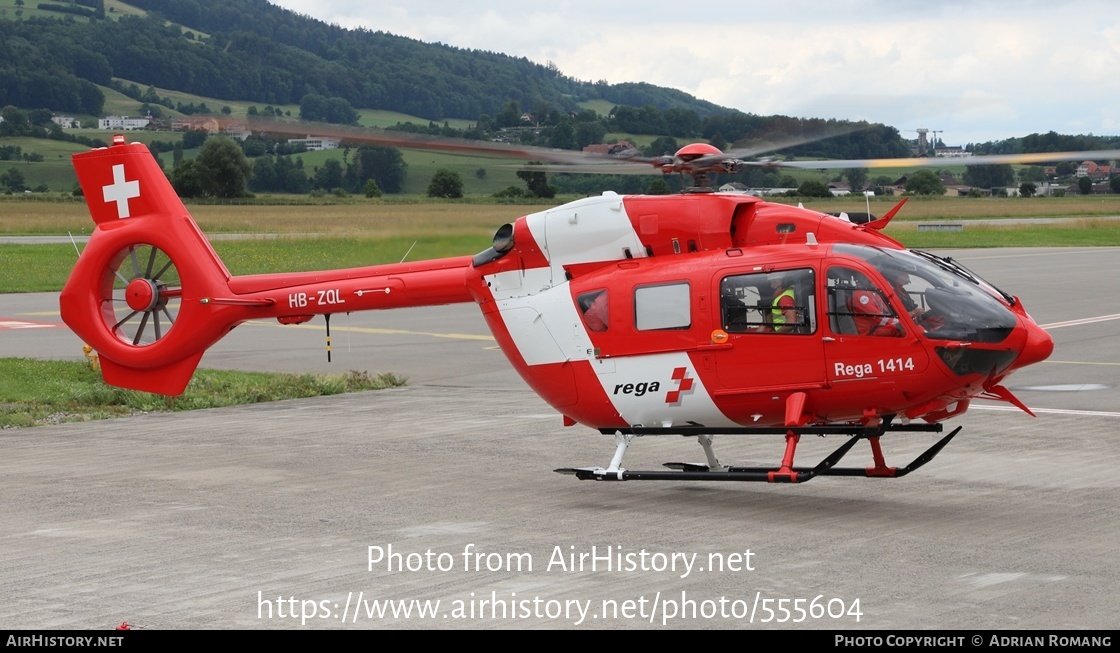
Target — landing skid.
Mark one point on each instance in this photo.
(786, 473)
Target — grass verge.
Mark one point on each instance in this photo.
(37, 392)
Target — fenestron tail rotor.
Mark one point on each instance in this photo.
(141, 294)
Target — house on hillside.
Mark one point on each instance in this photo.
(208, 124)
(66, 122)
(316, 143)
(237, 130)
(1093, 171)
(952, 152)
(122, 123)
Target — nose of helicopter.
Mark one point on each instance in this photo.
(1037, 347)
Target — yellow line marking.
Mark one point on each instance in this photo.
(375, 331)
(1081, 363)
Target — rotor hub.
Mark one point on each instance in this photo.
(141, 294)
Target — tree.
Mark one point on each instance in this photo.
(1032, 173)
(338, 110)
(13, 180)
(563, 136)
(537, 182)
(329, 175)
(445, 183)
(1027, 189)
(857, 178)
(371, 189)
(383, 164)
(813, 188)
(193, 138)
(1085, 185)
(925, 182)
(662, 145)
(1065, 168)
(313, 107)
(186, 179)
(264, 175)
(589, 133)
(223, 168)
(989, 176)
(510, 115)
(658, 187)
(1114, 183)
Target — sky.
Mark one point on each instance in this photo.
(974, 71)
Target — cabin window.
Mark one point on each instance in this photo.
(774, 302)
(595, 309)
(667, 306)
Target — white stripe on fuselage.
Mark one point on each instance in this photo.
(585, 231)
(536, 304)
(539, 318)
(546, 327)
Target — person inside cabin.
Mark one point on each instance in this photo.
(871, 313)
(899, 278)
(783, 311)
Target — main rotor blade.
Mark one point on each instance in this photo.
(605, 168)
(751, 151)
(983, 159)
(407, 140)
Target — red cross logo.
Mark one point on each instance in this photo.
(684, 384)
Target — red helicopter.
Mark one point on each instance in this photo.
(696, 314)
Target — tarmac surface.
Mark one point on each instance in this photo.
(264, 516)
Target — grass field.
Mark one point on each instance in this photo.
(35, 392)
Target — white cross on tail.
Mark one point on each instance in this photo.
(120, 191)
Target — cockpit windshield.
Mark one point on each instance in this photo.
(948, 302)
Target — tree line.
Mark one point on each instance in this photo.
(222, 169)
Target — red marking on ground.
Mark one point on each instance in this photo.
(10, 324)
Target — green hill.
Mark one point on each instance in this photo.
(252, 51)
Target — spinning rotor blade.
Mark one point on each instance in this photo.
(763, 146)
(409, 141)
(984, 159)
(568, 161)
(623, 167)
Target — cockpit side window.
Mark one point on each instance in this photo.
(856, 306)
